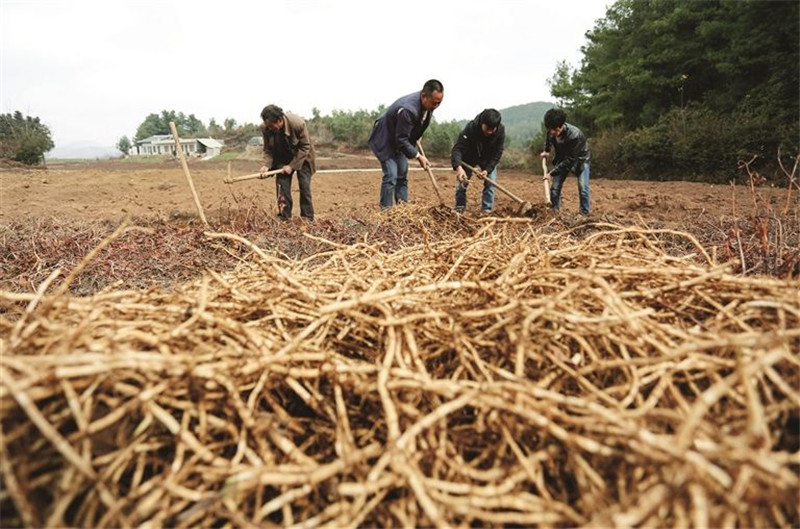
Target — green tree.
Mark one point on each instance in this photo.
(684, 75)
(24, 138)
(155, 124)
(124, 145)
(440, 138)
(213, 128)
(345, 126)
(648, 56)
(151, 126)
(239, 136)
(193, 126)
(168, 116)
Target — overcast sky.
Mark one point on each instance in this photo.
(93, 70)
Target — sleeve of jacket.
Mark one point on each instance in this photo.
(405, 125)
(457, 153)
(548, 142)
(268, 158)
(499, 144)
(303, 148)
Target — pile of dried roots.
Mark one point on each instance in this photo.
(509, 376)
(163, 252)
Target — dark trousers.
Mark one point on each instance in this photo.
(283, 190)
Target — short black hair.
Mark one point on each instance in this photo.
(271, 113)
(431, 86)
(490, 117)
(555, 117)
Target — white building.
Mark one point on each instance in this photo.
(164, 144)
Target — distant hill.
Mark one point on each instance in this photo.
(82, 149)
(522, 122)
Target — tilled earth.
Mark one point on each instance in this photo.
(51, 218)
(110, 190)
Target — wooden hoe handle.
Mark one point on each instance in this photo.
(430, 175)
(252, 176)
(546, 182)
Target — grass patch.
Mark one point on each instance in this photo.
(225, 156)
(67, 161)
(145, 159)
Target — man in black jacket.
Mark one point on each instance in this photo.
(479, 145)
(572, 156)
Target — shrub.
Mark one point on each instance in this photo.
(605, 149)
(24, 138)
(440, 137)
(693, 143)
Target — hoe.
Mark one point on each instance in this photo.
(524, 208)
(230, 180)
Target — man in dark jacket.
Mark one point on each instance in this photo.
(572, 156)
(394, 136)
(287, 145)
(479, 145)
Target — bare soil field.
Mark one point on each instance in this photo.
(112, 190)
(415, 367)
(50, 218)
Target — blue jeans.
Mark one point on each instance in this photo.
(583, 190)
(394, 187)
(487, 200)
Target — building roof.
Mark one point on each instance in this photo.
(210, 142)
(157, 138)
(161, 139)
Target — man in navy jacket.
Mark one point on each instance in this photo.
(480, 145)
(394, 137)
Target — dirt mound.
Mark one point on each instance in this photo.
(6, 163)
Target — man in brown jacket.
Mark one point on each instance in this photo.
(287, 146)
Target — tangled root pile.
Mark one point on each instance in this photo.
(508, 376)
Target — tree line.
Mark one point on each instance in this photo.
(340, 127)
(670, 88)
(353, 128)
(187, 126)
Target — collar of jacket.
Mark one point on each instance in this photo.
(286, 131)
(423, 112)
(414, 104)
